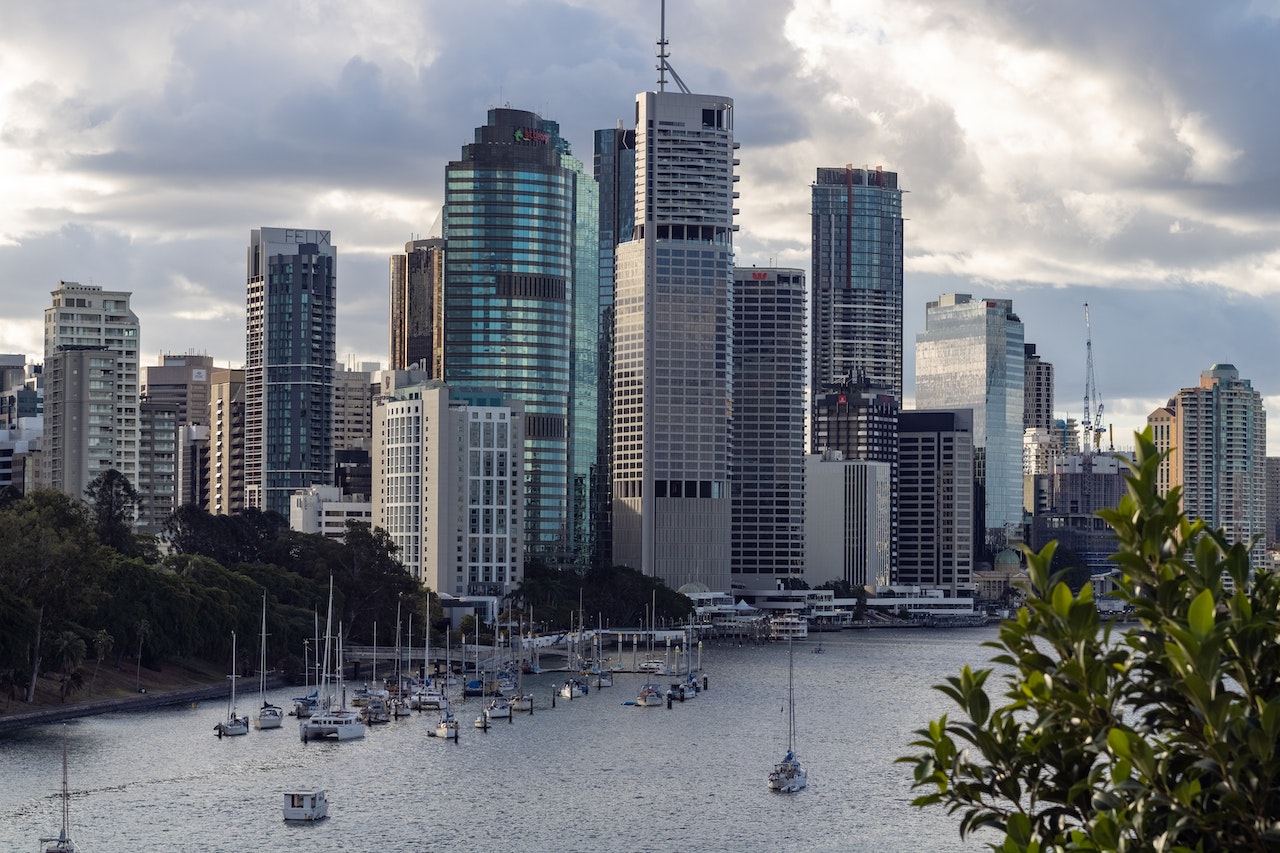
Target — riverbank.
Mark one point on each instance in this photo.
(117, 690)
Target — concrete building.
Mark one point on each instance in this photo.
(936, 501)
(182, 381)
(353, 407)
(157, 480)
(971, 356)
(290, 352)
(91, 406)
(326, 510)
(857, 278)
(769, 308)
(1219, 430)
(193, 466)
(847, 520)
(1037, 405)
(226, 442)
(448, 483)
(673, 348)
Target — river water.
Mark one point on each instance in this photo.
(591, 774)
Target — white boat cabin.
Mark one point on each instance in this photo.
(310, 804)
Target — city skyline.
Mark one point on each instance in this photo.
(1052, 157)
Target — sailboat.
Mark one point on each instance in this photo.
(234, 724)
(338, 723)
(63, 843)
(269, 716)
(789, 775)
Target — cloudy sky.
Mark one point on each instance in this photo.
(1120, 154)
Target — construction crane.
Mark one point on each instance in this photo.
(1090, 424)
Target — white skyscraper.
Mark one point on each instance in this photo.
(673, 358)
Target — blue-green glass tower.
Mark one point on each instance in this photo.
(520, 305)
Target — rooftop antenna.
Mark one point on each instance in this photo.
(663, 65)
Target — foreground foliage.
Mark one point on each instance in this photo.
(1161, 736)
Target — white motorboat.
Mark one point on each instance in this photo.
(447, 728)
(682, 690)
(306, 804)
(574, 688)
(63, 843)
(789, 775)
(498, 709)
(522, 703)
(269, 716)
(431, 699)
(234, 724)
(654, 666)
(649, 697)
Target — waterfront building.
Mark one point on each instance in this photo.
(847, 520)
(857, 278)
(970, 356)
(91, 405)
(290, 352)
(614, 166)
(673, 348)
(936, 500)
(769, 307)
(326, 510)
(520, 272)
(448, 483)
(417, 307)
(1219, 430)
(226, 441)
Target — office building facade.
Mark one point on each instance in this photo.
(417, 307)
(520, 270)
(936, 500)
(971, 356)
(857, 278)
(769, 314)
(290, 352)
(673, 358)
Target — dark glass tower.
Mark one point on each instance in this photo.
(857, 278)
(615, 172)
(290, 350)
(519, 271)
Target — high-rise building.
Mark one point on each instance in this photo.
(290, 352)
(353, 407)
(157, 480)
(226, 442)
(615, 172)
(448, 486)
(970, 356)
(1220, 430)
(1273, 502)
(673, 346)
(417, 303)
(1037, 405)
(769, 307)
(182, 380)
(857, 278)
(936, 500)
(847, 520)
(91, 407)
(520, 270)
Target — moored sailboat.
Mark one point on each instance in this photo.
(269, 716)
(234, 724)
(63, 843)
(789, 775)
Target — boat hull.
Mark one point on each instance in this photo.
(332, 726)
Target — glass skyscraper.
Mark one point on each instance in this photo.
(290, 352)
(857, 279)
(970, 356)
(615, 172)
(520, 268)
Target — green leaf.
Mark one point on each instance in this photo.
(1200, 616)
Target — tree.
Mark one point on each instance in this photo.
(113, 502)
(103, 642)
(1162, 736)
(68, 650)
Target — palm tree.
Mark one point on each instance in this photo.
(68, 654)
(102, 645)
(144, 628)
